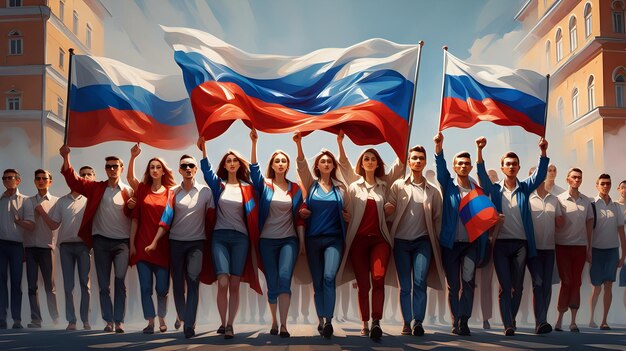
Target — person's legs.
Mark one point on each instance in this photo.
(315, 257)
(178, 261)
(32, 275)
(67, 269)
(4, 284)
(518, 269)
(578, 263)
(194, 255)
(332, 260)
(420, 263)
(144, 272)
(120, 264)
(269, 251)
(360, 258)
(468, 271)
(536, 270)
(563, 264)
(452, 266)
(47, 273)
(286, 265)
(402, 251)
(486, 291)
(103, 260)
(162, 288)
(502, 265)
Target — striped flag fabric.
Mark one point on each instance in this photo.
(477, 213)
(504, 96)
(365, 89)
(110, 100)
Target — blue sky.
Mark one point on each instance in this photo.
(480, 31)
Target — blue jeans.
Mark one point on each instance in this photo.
(11, 259)
(76, 255)
(230, 250)
(40, 259)
(509, 260)
(459, 264)
(412, 261)
(109, 252)
(279, 259)
(146, 271)
(186, 261)
(541, 268)
(324, 255)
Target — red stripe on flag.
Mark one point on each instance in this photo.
(481, 222)
(217, 105)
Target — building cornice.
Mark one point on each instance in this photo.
(536, 31)
(522, 10)
(98, 8)
(60, 26)
(57, 76)
(601, 112)
(20, 115)
(23, 70)
(43, 11)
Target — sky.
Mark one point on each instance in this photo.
(478, 31)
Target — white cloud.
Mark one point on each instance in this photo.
(496, 49)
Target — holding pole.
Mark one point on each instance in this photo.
(417, 70)
(69, 87)
(443, 83)
(545, 116)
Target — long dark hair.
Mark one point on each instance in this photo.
(316, 171)
(243, 173)
(167, 179)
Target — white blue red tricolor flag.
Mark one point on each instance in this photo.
(365, 89)
(477, 213)
(110, 100)
(504, 96)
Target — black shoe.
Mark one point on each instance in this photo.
(365, 331)
(189, 332)
(543, 328)
(418, 330)
(119, 329)
(464, 329)
(229, 332)
(147, 330)
(284, 333)
(35, 325)
(510, 331)
(274, 330)
(376, 332)
(221, 330)
(327, 332)
(177, 324)
(486, 325)
(17, 325)
(406, 329)
(320, 328)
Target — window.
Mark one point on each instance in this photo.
(13, 103)
(559, 45)
(60, 107)
(591, 99)
(75, 22)
(590, 151)
(15, 3)
(15, 43)
(560, 112)
(61, 58)
(620, 89)
(88, 36)
(61, 10)
(588, 23)
(618, 16)
(573, 40)
(575, 103)
(548, 53)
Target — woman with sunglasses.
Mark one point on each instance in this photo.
(281, 229)
(235, 236)
(325, 230)
(148, 249)
(368, 242)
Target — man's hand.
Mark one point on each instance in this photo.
(135, 150)
(543, 145)
(389, 209)
(481, 143)
(131, 203)
(297, 137)
(254, 137)
(64, 151)
(200, 144)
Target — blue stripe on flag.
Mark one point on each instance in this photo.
(473, 207)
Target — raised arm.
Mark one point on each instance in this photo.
(254, 138)
(443, 175)
(396, 172)
(539, 175)
(130, 175)
(345, 168)
(212, 180)
(481, 170)
(302, 167)
(74, 182)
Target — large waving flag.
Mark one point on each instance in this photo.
(477, 213)
(110, 100)
(504, 96)
(366, 89)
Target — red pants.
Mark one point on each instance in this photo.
(570, 261)
(370, 254)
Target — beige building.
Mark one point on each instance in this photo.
(582, 45)
(33, 74)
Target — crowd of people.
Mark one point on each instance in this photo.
(338, 227)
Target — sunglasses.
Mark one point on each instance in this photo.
(41, 178)
(9, 177)
(113, 167)
(187, 165)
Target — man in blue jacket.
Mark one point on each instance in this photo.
(516, 240)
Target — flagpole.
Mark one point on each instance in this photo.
(412, 109)
(443, 83)
(69, 87)
(545, 114)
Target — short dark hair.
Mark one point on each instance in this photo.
(185, 156)
(574, 169)
(603, 176)
(43, 171)
(12, 170)
(89, 168)
(462, 154)
(509, 154)
(115, 158)
(418, 148)
(622, 182)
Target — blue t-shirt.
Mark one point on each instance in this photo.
(324, 218)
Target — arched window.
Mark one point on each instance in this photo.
(560, 112)
(13, 99)
(559, 45)
(588, 22)
(619, 79)
(548, 54)
(16, 45)
(618, 16)
(591, 99)
(573, 37)
(575, 103)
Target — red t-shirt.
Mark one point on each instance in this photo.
(369, 224)
(148, 212)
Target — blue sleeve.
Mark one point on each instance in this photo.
(257, 178)
(483, 178)
(443, 175)
(539, 175)
(211, 179)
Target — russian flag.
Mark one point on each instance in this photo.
(504, 96)
(365, 89)
(110, 100)
(477, 213)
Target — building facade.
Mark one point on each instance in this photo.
(33, 74)
(582, 45)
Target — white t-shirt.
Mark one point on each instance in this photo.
(412, 224)
(190, 213)
(279, 222)
(576, 212)
(544, 213)
(41, 236)
(513, 227)
(230, 214)
(69, 212)
(110, 220)
(11, 206)
(609, 217)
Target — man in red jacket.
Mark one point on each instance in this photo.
(106, 228)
